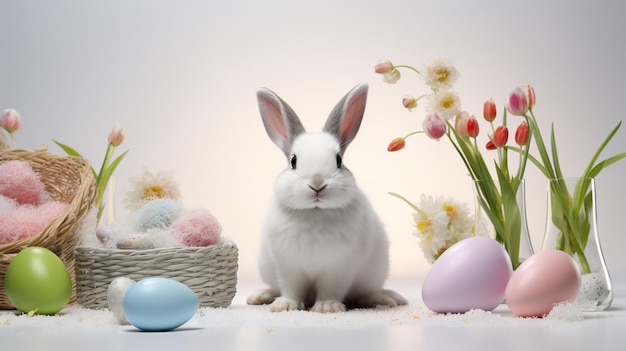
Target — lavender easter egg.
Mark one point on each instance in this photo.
(542, 281)
(471, 274)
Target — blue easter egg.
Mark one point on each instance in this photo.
(159, 213)
(159, 304)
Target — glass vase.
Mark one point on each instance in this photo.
(507, 223)
(571, 226)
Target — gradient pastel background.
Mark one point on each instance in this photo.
(182, 76)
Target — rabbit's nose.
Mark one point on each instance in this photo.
(317, 183)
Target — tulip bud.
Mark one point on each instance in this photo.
(10, 120)
(490, 145)
(434, 126)
(500, 136)
(472, 127)
(531, 96)
(521, 134)
(489, 110)
(460, 123)
(117, 135)
(396, 145)
(384, 67)
(517, 101)
(409, 102)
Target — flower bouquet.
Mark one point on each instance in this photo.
(496, 195)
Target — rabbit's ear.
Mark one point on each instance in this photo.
(345, 119)
(281, 123)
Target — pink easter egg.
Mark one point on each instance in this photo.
(196, 228)
(471, 274)
(543, 280)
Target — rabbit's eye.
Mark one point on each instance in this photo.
(293, 161)
(338, 161)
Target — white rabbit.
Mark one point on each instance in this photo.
(323, 246)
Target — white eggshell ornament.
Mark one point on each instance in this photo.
(471, 274)
(115, 295)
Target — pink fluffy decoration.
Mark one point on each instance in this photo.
(196, 228)
(27, 221)
(19, 182)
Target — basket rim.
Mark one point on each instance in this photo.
(86, 187)
(223, 243)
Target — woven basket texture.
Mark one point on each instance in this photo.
(210, 272)
(66, 179)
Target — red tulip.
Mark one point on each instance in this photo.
(489, 110)
(521, 134)
(396, 144)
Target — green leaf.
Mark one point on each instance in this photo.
(512, 218)
(600, 149)
(72, 152)
(605, 163)
(555, 155)
(68, 149)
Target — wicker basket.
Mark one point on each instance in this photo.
(66, 179)
(210, 272)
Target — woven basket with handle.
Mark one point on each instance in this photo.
(66, 179)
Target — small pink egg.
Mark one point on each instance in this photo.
(543, 280)
(471, 274)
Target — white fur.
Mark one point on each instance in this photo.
(320, 249)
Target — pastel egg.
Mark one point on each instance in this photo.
(471, 274)
(543, 280)
(159, 304)
(115, 296)
(159, 213)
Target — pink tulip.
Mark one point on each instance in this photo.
(434, 126)
(460, 123)
(517, 101)
(384, 67)
(409, 102)
(10, 120)
(117, 135)
(531, 96)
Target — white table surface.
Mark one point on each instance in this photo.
(242, 327)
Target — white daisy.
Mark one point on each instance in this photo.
(440, 75)
(147, 186)
(446, 102)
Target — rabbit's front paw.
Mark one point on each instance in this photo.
(263, 297)
(328, 306)
(381, 297)
(285, 304)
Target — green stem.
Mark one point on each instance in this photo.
(13, 140)
(417, 209)
(408, 67)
